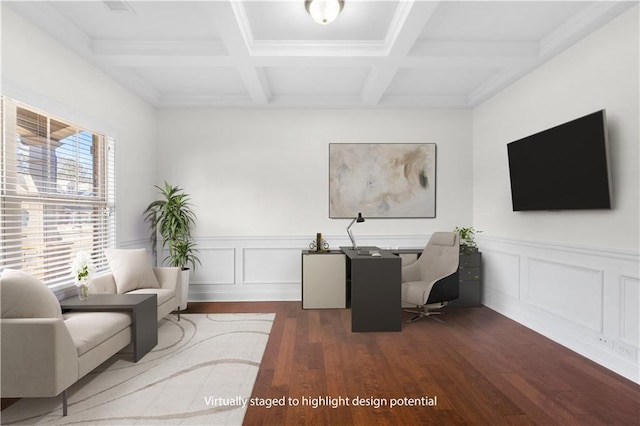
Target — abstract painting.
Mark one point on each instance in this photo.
(382, 180)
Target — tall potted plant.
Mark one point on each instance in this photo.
(173, 218)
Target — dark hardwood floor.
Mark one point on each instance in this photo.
(484, 369)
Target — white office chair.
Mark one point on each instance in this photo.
(432, 280)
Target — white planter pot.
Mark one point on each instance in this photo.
(185, 288)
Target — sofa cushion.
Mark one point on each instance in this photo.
(25, 296)
(164, 294)
(131, 269)
(89, 329)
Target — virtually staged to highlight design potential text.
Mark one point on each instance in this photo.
(322, 401)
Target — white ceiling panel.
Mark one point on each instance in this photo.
(438, 81)
(145, 20)
(271, 54)
(316, 81)
(176, 81)
(499, 21)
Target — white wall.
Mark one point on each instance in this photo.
(259, 179)
(600, 72)
(572, 275)
(265, 172)
(39, 71)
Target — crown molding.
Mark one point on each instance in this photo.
(590, 18)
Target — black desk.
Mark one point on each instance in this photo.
(144, 315)
(375, 284)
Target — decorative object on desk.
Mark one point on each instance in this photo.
(467, 239)
(82, 268)
(382, 180)
(319, 244)
(173, 218)
(358, 219)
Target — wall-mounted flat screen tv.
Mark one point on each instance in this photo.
(562, 168)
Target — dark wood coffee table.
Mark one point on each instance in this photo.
(144, 315)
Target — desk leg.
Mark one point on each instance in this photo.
(145, 328)
(375, 294)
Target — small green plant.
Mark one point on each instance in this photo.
(467, 239)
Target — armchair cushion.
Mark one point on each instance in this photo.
(164, 294)
(416, 292)
(131, 269)
(25, 296)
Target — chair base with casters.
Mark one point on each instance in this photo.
(443, 291)
(426, 312)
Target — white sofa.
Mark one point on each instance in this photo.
(131, 272)
(43, 351)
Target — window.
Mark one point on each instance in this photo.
(57, 193)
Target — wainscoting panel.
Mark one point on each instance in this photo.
(501, 272)
(217, 266)
(271, 265)
(587, 299)
(571, 292)
(630, 312)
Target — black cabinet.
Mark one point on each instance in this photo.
(470, 270)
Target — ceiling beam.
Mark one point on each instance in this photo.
(409, 21)
(223, 16)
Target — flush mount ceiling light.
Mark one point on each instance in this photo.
(324, 11)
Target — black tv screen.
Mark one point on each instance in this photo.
(564, 167)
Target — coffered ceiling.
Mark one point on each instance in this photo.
(271, 54)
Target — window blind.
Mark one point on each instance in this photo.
(58, 193)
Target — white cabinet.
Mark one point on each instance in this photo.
(323, 280)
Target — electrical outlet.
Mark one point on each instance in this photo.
(605, 341)
(627, 350)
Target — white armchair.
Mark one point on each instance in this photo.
(432, 281)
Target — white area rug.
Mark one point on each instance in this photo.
(201, 363)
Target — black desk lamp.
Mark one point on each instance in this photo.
(358, 219)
